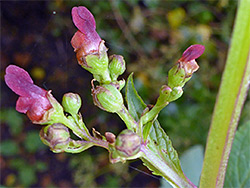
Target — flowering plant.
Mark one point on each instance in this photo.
(144, 138)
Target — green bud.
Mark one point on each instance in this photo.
(108, 98)
(176, 76)
(116, 66)
(71, 103)
(56, 136)
(127, 143)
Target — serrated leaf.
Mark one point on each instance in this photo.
(158, 141)
(238, 169)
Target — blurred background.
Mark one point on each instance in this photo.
(151, 35)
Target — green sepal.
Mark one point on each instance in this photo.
(108, 97)
(176, 76)
(97, 64)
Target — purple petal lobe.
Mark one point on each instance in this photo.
(19, 81)
(192, 52)
(13, 69)
(83, 20)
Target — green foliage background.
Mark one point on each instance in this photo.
(151, 35)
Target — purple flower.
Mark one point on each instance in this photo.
(189, 56)
(33, 100)
(86, 39)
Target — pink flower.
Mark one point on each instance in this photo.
(189, 56)
(86, 39)
(33, 100)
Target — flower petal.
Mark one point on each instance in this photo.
(83, 20)
(89, 44)
(19, 81)
(192, 52)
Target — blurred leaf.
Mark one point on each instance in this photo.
(10, 180)
(111, 181)
(41, 166)
(175, 17)
(191, 163)
(32, 142)
(27, 176)
(18, 163)
(137, 21)
(13, 119)
(238, 169)
(9, 148)
(38, 73)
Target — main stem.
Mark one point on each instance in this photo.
(230, 100)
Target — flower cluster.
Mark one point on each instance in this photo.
(41, 107)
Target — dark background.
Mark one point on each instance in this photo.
(151, 35)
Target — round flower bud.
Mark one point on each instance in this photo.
(108, 98)
(56, 136)
(116, 66)
(127, 143)
(71, 103)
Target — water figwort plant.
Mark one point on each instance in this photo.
(144, 138)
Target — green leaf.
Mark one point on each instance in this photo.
(134, 101)
(191, 162)
(41, 166)
(238, 169)
(8, 148)
(158, 143)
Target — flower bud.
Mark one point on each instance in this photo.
(56, 136)
(110, 137)
(108, 98)
(71, 103)
(97, 63)
(116, 66)
(128, 143)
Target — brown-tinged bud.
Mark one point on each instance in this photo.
(108, 98)
(127, 143)
(56, 136)
(110, 137)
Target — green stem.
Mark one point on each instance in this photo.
(230, 100)
(127, 118)
(149, 116)
(75, 128)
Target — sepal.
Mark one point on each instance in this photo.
(127, 143)
(107, 97)
(56, 136)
